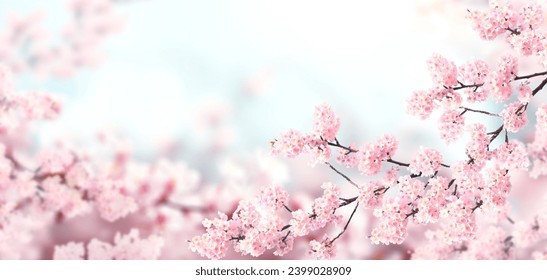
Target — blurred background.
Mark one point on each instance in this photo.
(260, 66)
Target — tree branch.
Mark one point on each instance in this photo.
(342, 174)
(346, 226)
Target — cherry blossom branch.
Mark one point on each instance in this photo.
(520, 110)
(351, 150)
(516, 78)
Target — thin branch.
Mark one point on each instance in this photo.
(539, 87)
(342, 174)
(288, 209)
(346, 226)
(347, 201)
(380, 191)
(495, 133)
(398, 162)
(338, 145)
(513, 31)
(462, 86)
(479, 204)
(465, 109)
(530, 76)
(284, 239)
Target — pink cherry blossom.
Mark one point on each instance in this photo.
(371, 155)
(498, 82)
(214, 243)
(322, 249)
(411, 188)
(512, 155)
(434, 200)
(346, 158)
(300, 222)
(291, 144)
(61, 197)
(426, 162)
(443, 72)
(451, 125)
(477, 148)
(325, 122)
(275, 196)
(371, 194)
(421, 104)
(392, 227)
(497, 188)
(474, 72)
(514, 116)
(324, 206)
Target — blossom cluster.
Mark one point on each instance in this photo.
(521, 26)
(257, 225)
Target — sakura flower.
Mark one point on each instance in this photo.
(443, 72)
(451, 125)
(421, 104)
(512, 155)
(514, 116)
(426, 162)
(326, 123)
(324, 249)
(371, 194)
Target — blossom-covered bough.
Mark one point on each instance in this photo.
(446, 198)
